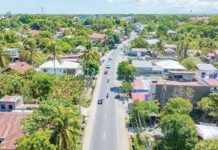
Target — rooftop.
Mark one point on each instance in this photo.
(139, 96)
(207, 132)
(178, 83)
(141, 84)
(170, 64)
(183, 72)
(171, 46)
(63, 65)
(206, 67)
(21, 67)
(142, 64)
(97, 36)
(10, 98)
(211, 82)
(10, 129)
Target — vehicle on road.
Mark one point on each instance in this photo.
(110, 58)
(108, 66)
(107, 80)
(107, 95)
(106, 72)
(100, 101)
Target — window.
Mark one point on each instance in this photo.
(2, 106)
(10, 107)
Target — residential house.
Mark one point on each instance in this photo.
(170, 50)
(146, 67)
(71, 58)
(211, 57)
(9, 103)
(20, 67)
(152, 41)
(171, 32)
(10, 129)
(60, 68)
(15, 104)
(138, 52)
(13, 52)
(207, 70)
(97, 37)
(170, 65)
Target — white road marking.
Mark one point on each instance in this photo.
(104, 134)
(105, 117)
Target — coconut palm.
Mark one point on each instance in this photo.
(54, 49)
(90, 54)
(4, 57)
(31, 52)
(65, 129)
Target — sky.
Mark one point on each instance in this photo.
(109, 6)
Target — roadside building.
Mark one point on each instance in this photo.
(170, 65)
(207, 70)
(71, 58)
(146, 67)
(20, 67)
(138, 52)
(143, 90)
(10, 129)
(14, 53)
(152, 41)
(60, 68)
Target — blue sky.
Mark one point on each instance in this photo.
(108, 6)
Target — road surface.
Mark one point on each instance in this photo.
(105, 132)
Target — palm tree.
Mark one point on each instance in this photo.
(54, 48)
(4, 58)
(65, 129)
(90, 54)
(31, 51)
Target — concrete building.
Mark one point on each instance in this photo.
(170, 65)
(9, 103)
(60, 68)
(207, 132)
(13, 52)
(205, 70)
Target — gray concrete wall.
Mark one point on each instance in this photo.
(165, 92)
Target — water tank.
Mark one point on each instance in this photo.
(215, 75)
(203, 74)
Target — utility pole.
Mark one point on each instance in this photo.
(42, 10)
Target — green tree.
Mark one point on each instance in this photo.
(36, 141)
(126, 71)
(188, 63)
(41, 85)
(30, 53)
(66, 129)
(209, 105)
(139, 43)
(90, 68)
(126, 87)
(140, 112)
(179, 130)
(177, 106)
(138, 142)
(90, 55)
(216, 64)
(207, 145)
(4, 57)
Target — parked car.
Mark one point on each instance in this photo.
(100, 101)
(106, 72)
(110, 58)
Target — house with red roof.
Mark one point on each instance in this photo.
(97, 36)
(20, 67)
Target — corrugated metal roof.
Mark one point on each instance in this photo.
(206, 67)
(142, 64)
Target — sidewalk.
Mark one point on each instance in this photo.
(92, 107)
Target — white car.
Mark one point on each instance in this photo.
(108, 65)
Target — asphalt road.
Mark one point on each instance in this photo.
(105, 132)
